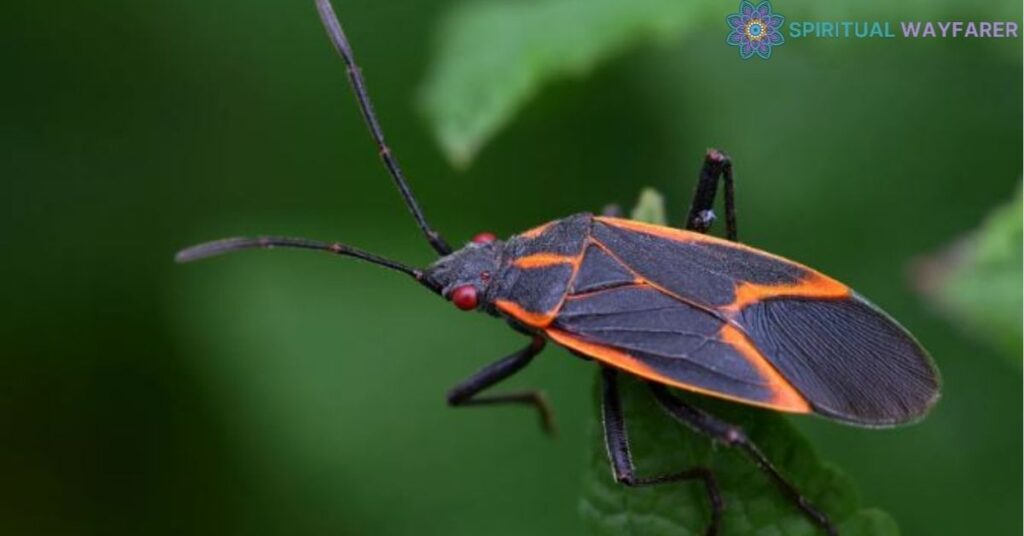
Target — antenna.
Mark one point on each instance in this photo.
(341, 44)
(220, 247)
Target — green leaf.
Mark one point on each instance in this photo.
(650, 207)
(752, 503)
(976, 281)
(494, 56)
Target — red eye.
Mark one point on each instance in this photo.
(464, 297)
(484, 237)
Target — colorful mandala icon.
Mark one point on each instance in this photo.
(755, 29)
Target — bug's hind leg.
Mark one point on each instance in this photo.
(717, 165)
(734, 436)
(616, 440)
(465, 393)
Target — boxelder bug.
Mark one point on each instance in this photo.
(675, 307)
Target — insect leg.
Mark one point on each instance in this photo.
(616, 441)
(465, 393)
(700, 217)
(734, 436)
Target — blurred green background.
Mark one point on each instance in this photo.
(289, 392)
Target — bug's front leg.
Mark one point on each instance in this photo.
(465, 393)
(616, 440)
(717, 165)
(733, 436)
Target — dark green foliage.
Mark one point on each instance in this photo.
(976, 281)
(753, 505)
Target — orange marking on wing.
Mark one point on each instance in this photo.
(785, 400)
(592, 293)
(657, 230)
(785, 394)
(640, 280)
(681, 235)
(536, 231)
(814, 286)
(625, 266)
(537, 320)
(543, 260)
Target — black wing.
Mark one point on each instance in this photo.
(691, 307)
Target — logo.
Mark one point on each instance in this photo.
(755, 29)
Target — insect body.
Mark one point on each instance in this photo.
(699, 313)
(676, 307)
